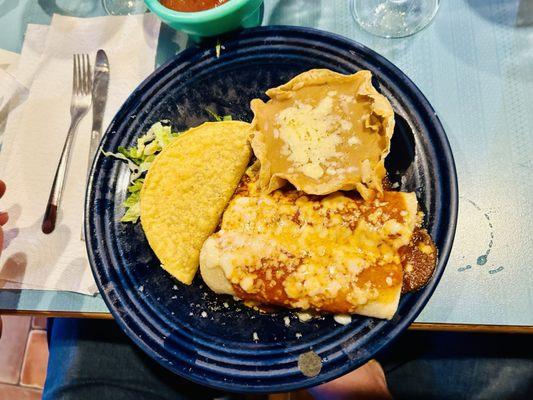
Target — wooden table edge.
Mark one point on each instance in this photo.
(419, 326)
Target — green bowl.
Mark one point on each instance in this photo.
(229, 16)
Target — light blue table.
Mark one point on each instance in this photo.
(475, 65)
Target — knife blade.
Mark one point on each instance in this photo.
(100, 87)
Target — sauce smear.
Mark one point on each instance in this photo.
(191, 5)
(419, 259)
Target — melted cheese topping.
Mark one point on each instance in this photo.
(323, 132)
(311, 135)
(334, 253)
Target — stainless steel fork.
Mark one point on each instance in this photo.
(79, 105)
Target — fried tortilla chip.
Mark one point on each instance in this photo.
(323, 131)
(186, 190)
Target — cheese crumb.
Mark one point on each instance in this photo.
(354, 140)
(255, 337)
(203, 314)
(287, 321)
(304, 316)
(425, 248)
(343, 319)
(298, 335)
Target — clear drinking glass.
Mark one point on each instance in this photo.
(394, 18)
(124, 7)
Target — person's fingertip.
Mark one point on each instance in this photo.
(4, 217)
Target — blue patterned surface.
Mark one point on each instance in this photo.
(475, 66)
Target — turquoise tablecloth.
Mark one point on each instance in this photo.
(475, 65)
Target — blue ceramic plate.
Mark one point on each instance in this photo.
(209, 338)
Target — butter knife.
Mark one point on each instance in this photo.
(100, 86)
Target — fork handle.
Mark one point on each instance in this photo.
(50, 214)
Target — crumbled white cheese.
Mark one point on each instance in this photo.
(247, 283)
(343, 319)
(354, 140)
(311, 135)
(287, 321)
(203, 314)
(331, 171)
(255, 337)
(304, 316)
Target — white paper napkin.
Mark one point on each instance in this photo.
(32, 51)
(8, 60)
(33, 142)
(15, 83)
(12, 95)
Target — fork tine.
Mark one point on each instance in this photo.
(79, 73)
(89, 75)
(74, 73)
(85, 74)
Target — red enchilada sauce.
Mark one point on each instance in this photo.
(192, 5)
(419, 259)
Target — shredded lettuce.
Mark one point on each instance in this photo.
(218, 48)
(139, 158)
(136, 185)
(217, 117)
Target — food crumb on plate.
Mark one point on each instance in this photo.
(298, 335)
(203, 314)
(343, 319)
(304, 316)
(255, 337)
(287, 321)
(141, 288)
(175, 287)
(226, 305)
